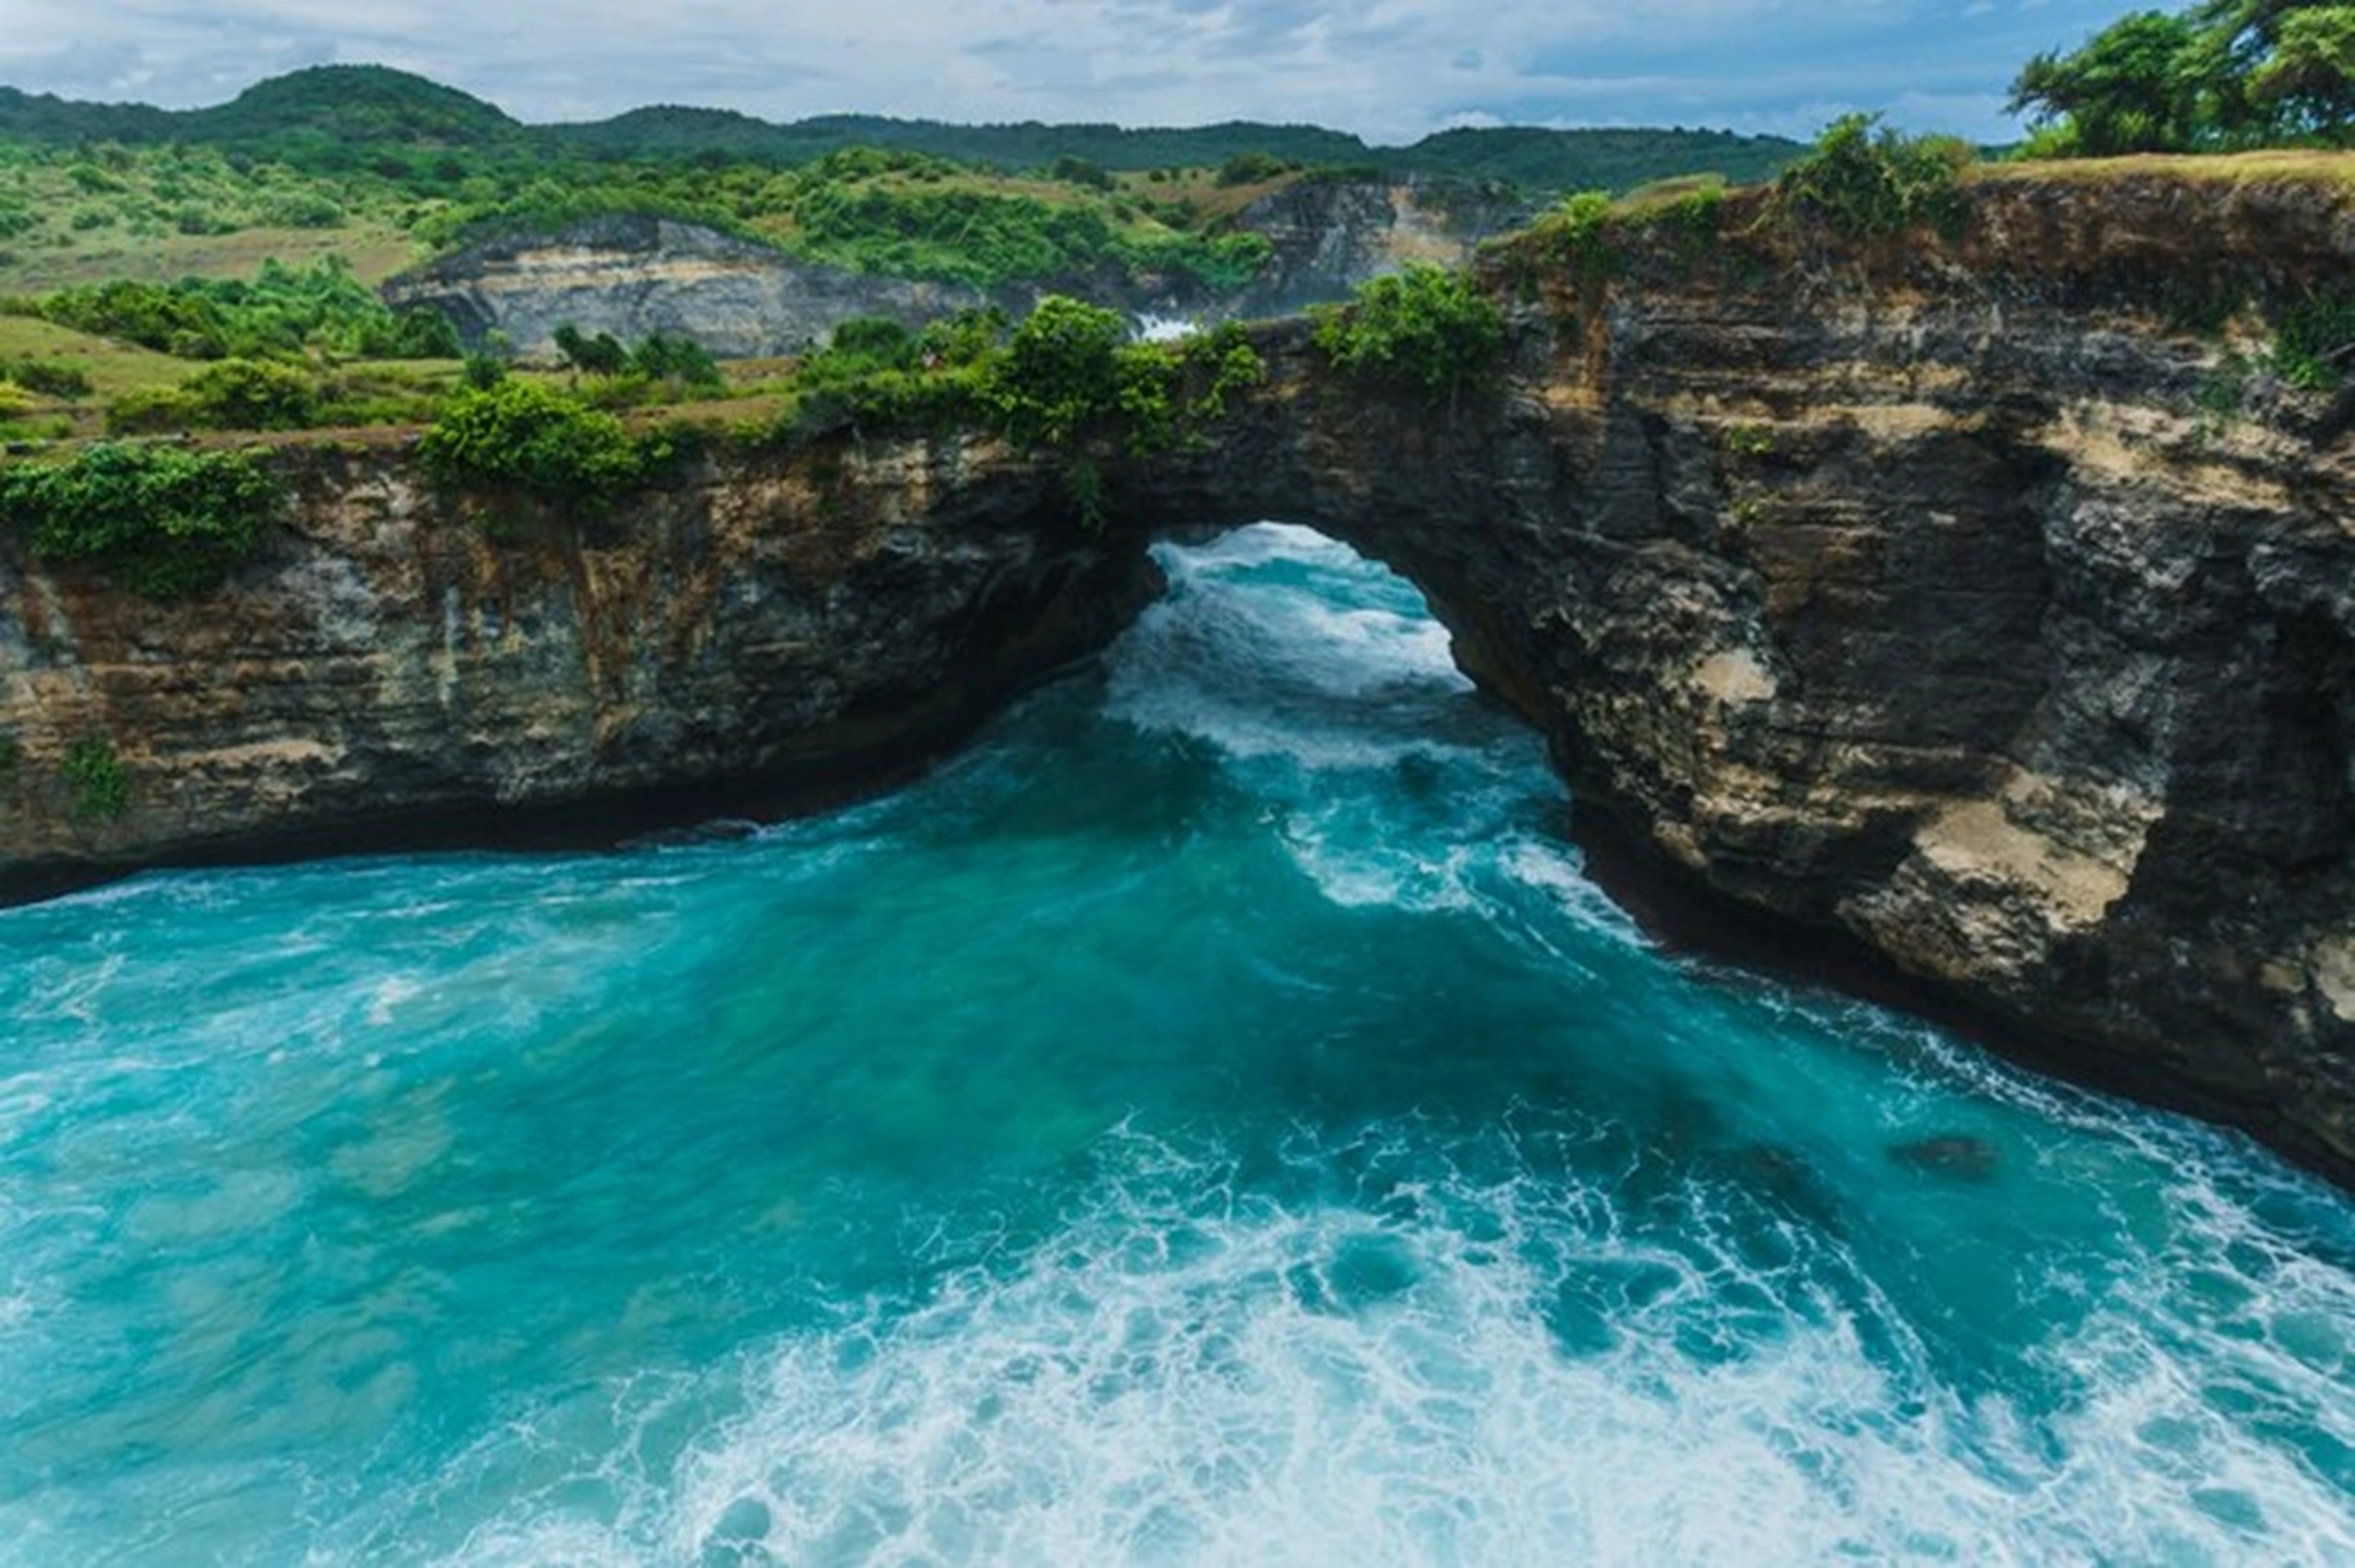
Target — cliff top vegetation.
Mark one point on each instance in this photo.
(2221, 75)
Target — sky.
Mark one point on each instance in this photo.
(1387, 70)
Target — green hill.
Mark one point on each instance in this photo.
(358, 103)
(1597, 160)
(338, 118)
(48, 118)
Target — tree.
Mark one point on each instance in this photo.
(2132, 88)
(1061, 370)
(2224, 73)
(601, 355)
(1079, 171)
(680, 360)
(2309, 79)
(1250, 169)
(1423, 326)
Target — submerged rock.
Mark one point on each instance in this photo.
(1959, 1155)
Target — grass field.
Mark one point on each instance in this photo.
(2301, 165)
(375, 252)
(113, 368)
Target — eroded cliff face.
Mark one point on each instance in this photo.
(1327, 236)
(1943, 596)
(634, 276)
(400, 667)
(1940, 597)
(1978, 613)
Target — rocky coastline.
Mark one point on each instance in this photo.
(1951, 598)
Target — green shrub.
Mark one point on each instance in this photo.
(1219, 365)
(251, 394)
(419, 334)
(1579, 229)
(282, 310)
(1060, 374)
(1147, 382)
(169, 320)
(1424, 327)
(875, 338)
(1250, 169)
(524, 436)
(303, 210)
(153, 411)
(164, 522)
(965, 338)
(376, 396)
(601, 355)
(1079, 171)
(2313, 347)
(1696, 219)
(1865, 180)
(911, 400)
(50, 378)
(1067, 378)
(101, 786)
(678, 361)
(1163, 393)
(15, 402)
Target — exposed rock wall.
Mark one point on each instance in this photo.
(1329, 236)
(392, 672)
(1940, 596)
(634, 276)
(1945, 597)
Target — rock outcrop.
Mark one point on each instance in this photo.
(636, 275)
(1940, 597)
(1329, 234)
(388, 673)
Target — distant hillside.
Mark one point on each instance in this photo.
(341, 116)
(644, 132)
(364, 103)
(359, 103)
(1597, 160)
(46, 118)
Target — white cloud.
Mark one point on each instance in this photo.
(1388, 68)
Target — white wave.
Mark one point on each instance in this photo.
(1558, 872)
(1264, 669)
(1260, 542)
(1186, 1378)
(1354, 873)
(1153, 328)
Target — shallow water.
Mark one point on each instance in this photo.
(1212, 1121)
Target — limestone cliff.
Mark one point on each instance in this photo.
(388, 671)
(633, 275)
(636, 275)
(1327, 236)
(1939, 595)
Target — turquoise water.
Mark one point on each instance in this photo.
(1212, 1121)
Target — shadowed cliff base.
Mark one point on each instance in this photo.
(1977, 591)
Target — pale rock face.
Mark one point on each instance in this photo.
(634, 275)
(1916, 596)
